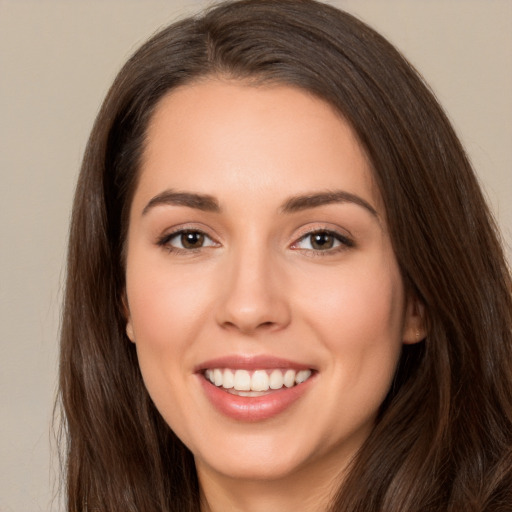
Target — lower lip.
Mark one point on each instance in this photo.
(258, 408)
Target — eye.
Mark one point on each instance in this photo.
(187, 239)
(322, 240)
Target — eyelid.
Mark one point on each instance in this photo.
(164, 239)
(346, 241)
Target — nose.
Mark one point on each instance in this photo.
(254, 294)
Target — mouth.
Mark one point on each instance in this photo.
(254, 388)
(254, 383)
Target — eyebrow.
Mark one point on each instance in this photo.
(304, 202)
(294, 204)
(202, 202)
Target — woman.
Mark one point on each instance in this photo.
(285, 290)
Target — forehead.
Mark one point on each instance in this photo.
(215, 134)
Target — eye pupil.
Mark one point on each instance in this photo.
(322, 241)
(192, 240)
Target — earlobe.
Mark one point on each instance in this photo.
(129, 331)
(415, 329)
(127, 316)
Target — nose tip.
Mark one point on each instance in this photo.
(254, 300)
(248, 321)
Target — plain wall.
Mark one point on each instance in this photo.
(57, 59)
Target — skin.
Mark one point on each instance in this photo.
(257, 286)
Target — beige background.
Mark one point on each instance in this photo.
(57, 59)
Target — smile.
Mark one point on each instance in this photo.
(254, 383)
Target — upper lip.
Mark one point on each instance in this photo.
(250, 362)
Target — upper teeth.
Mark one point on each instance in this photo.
(259, 380)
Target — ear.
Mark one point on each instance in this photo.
(129, 330)
(415, 328)
(128, 318)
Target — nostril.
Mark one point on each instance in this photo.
(247, 328)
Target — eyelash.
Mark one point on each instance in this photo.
(165, 241)
(343, 241)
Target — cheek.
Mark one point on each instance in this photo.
(168, 310)
(156, 321)
(360, 314)
(164, 305)
(358, 301)
(361, 324)
(159, 316)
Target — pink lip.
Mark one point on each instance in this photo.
(244, 362)
(252, 409)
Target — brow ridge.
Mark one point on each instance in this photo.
(202, 202)
(294, 204)
(306, 201)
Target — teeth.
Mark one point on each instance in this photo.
(302, 376)
(276, 379)
(228, 379)
(289, 378)
(217, 377)
(260, 380)
(242, 380)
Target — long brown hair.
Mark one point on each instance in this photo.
(443, 439)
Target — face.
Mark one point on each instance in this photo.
(263, 294)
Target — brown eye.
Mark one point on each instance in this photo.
(192, 239)
(322, 241)
(186, 240)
